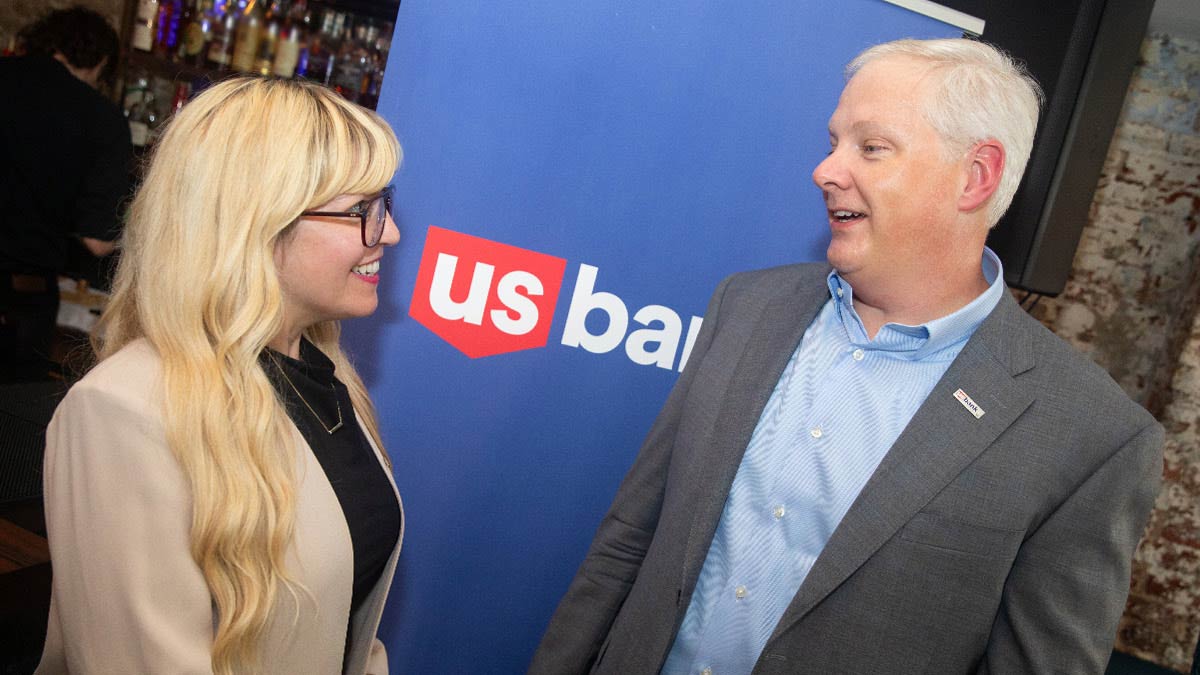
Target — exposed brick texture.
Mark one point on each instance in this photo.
(1131, 305)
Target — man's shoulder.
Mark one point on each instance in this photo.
(1070, 378)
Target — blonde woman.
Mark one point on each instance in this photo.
(217, 496)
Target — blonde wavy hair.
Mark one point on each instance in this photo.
(197, 280)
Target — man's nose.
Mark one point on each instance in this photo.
(831, 172)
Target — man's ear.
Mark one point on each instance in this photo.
(986, 163)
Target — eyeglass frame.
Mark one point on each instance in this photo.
(385, 194)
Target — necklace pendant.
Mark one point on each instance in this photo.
(305, 401)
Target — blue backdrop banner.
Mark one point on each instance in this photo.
(578, 177)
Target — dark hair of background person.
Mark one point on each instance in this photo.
(81, 35)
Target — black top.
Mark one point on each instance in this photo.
(64, 163)
(363, 490)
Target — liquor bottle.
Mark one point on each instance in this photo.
(374, 77)
(137, 84)
(322, 49)
(183, 92)
(166, 33)
(154, 119)
(220, 47)
(292, 36)
(143, 25)
(245, 44)
(187, 14)
(345, 77)
(142, 119)
(268, 38)
(196, 32)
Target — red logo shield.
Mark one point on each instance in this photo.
(484, 297)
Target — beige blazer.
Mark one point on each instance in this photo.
(127, 596)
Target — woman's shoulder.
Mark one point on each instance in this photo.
(132, 375)
(114, 415)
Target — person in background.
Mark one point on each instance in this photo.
(217, 496)
(882, 465)
(64, 172)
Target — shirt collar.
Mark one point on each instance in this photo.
(919, 341)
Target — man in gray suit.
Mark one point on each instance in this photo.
(882, 465)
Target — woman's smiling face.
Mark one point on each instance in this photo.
(325, 271)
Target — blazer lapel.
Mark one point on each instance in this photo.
(942, 438)
(781, 320)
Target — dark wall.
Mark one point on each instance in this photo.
(1082, 52)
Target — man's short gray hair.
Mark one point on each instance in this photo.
(981, 93)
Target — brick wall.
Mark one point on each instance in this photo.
(1131, 304)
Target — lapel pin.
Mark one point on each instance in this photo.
(971, 406)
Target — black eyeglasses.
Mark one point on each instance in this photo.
(372, 212)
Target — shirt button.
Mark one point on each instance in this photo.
(840, 292)
(739, 592)
(858, 355)
(779, 511)
(816, 432)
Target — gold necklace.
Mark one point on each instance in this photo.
(328, 430)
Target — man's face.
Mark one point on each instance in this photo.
(890, 193)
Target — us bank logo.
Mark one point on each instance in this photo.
(486, 298)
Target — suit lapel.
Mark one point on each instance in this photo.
(942, 438)
(780, 321)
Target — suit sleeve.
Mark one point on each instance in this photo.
(1068, 586)
(577, 630)
(127, 596)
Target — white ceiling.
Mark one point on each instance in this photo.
(1179, 18)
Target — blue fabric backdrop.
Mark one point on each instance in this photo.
(663, 144)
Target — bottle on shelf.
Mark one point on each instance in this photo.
(247, 36)
(143, 120)
(144, 25)
(183, 92)
(378, 62)
(285, 38)
(220, 46)
(292, 36)
(268, 38)
(166, 30)
(137, 83)
(322, 49)
(353, 62)
(196, 28)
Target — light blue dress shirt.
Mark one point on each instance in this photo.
(841, 402)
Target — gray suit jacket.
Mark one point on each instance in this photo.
(993, 545)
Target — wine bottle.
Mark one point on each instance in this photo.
(245, 44)
(143, 25)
